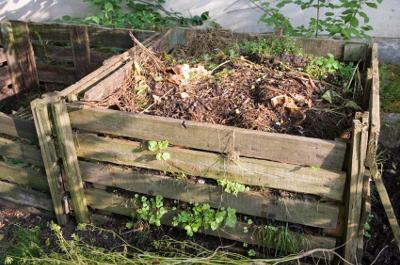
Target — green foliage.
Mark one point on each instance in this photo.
(283, 240)
(322, 67)
(344, 18)
(202, 216)
(136, 14)
(269, 47)
(232, 187)
(159, 148)
(151, 211)
(367, 227)
(390, 87)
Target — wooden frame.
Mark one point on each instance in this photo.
(107, 141)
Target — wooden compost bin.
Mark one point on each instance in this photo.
(44, 57)
(99, 147)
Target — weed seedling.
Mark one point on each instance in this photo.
(159, 148)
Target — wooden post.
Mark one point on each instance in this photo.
(80, 50)
(66, 147)
(49, 155)
(20, 56)
(352, 222)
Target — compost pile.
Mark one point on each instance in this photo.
(241, 86)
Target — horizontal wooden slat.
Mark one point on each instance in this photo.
(222, 139)
(17, 127)
(3, 57)
(119, 38)
(20, 151)
(5, 78)
(24, 196)
(312, 213)
(56, 74)
(248, 171)
(29, 177)
(51, 52)
(49, 32)
(113, 203)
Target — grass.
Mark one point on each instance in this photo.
(390, 88)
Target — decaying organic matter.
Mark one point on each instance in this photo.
(252, 90)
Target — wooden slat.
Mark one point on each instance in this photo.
(23, 196)
(113, 203)
(5, 77)
(28, 177)
(312, 213)
(80, 50)
(222, 139)
(66, 148)
(50, 159)
(374, 107)
(20, 151)
(248, 171)
(3, 57)
(49, 31)
(17, 127)
(119, 38)
(56, 74)
(20, 56)
(109, 84)
(51, 52)
(352, 209)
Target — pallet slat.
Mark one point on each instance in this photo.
(216, 138)
(19, 195)
(116, 37)
(29, 177)
(20, 151)
(248, 171)
(56, 74)
(113, 203)
(316, 214)
(17, 127)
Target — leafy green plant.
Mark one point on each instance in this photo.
(136, 14)
(269, 47)
(202, 216)
(367, 227)
(151, 211)
(344, 18)
(232, 187)
(159, 148)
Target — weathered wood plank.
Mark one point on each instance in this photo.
(80, 50)
(5, 77)
(19, 195)
(56, 74)
(3, 57)
(20, 151)
(66, 148)
(109, 84)
(51, 52)
(113, 203)
(248, 171)
(352, 221)
(119, 38)
(28, 177)
(374, 107)
(17, 127)
(312, 213)
(50, 31)
(20, 56)
(50, 159)
(217, 138)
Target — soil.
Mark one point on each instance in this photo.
(258, 92)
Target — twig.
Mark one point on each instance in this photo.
(152, 104)
(219, 66)
(380, 253)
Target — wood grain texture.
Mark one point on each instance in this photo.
(311, 213)
(248, 171)
(26, 176)
(210, 137)
(49, 154)
(80, 50)
(24, 196)
(20, 56)
(56, 74)
(67, 152)
(17, 127)
(113, 203)
(20, 151)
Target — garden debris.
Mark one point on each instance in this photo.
(261, 94)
